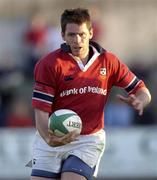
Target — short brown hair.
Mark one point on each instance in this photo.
(77, 16)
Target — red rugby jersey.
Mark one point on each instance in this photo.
(61, 82)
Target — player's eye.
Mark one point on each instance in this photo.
(82, 35)
(71, 34)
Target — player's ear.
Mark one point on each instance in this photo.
(91, 33)
(63, 35)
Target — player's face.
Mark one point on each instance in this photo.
(77, 37)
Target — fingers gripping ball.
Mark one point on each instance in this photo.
(64, 121)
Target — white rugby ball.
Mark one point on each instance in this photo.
(64, 121)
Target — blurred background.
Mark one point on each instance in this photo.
(28, 30)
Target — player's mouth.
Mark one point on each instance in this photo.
(78, 48)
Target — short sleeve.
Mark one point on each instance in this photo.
(44, 86)
(123, 77)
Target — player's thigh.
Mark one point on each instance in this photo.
(72, 176)
(75, 169)
(41, 178)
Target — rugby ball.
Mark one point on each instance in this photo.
(64, 121)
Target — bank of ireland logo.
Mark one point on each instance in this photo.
(103, 72)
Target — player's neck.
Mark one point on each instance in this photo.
(85, 60)
(87, 57)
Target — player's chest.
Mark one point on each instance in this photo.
(72, 75)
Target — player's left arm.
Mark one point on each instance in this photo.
(138, 94)
(139, 100)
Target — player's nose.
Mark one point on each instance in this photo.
(77, 39)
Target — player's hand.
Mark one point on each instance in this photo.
(54, 140)
(133, 101)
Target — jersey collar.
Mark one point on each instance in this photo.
(97, 50)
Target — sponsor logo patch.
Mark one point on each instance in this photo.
(68, 78)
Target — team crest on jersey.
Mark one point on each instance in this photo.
(103, 71)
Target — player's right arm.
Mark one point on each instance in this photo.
(42, 100)
(41, 119)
